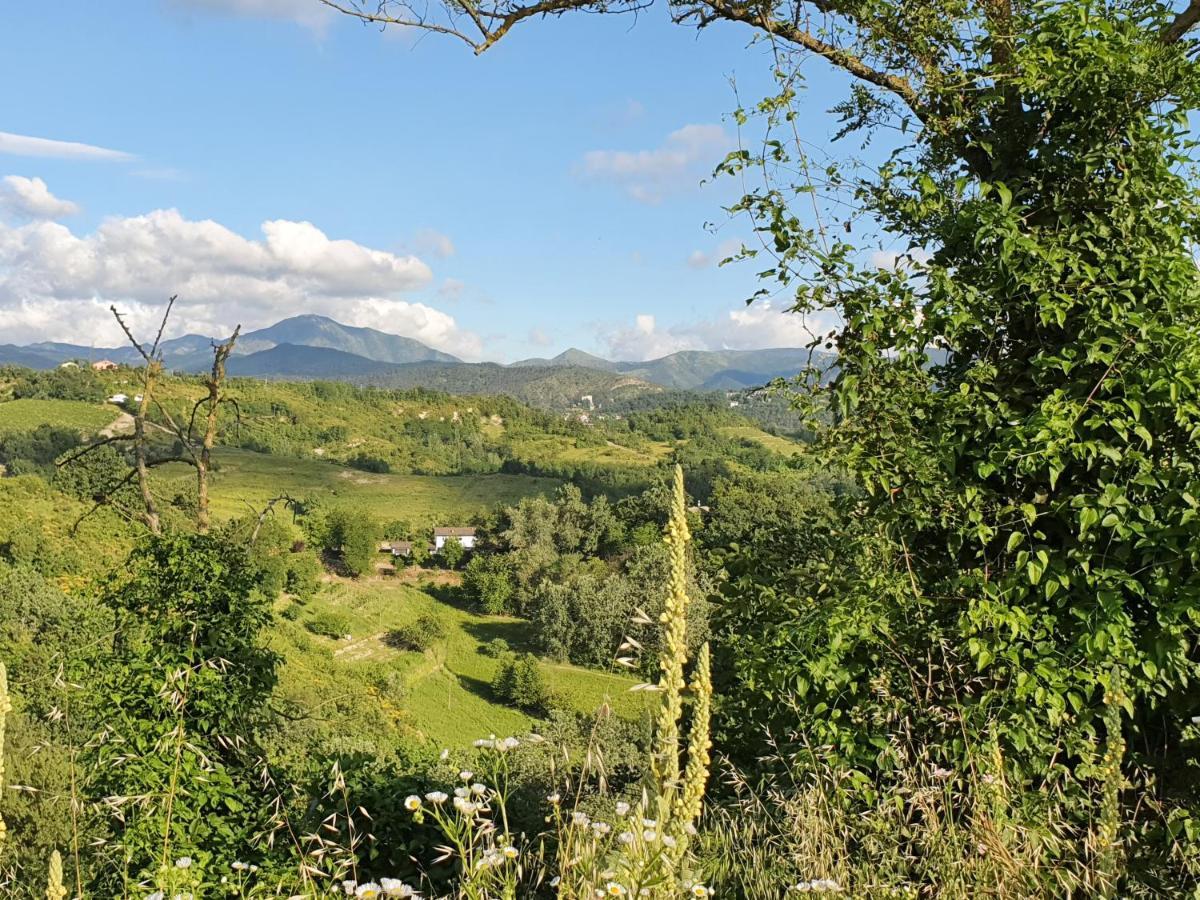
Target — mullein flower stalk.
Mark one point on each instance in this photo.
(695, 775)
(54, 882)
(665, 764)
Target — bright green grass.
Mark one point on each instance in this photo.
(447, 698)
(770, 441)
(245, 477)
(25, 415)
(552, 448)
(93, 544)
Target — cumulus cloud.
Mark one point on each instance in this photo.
(648, 176)
(29, 198)
(57, 285)
(309, 13)
(45, 148)
(758, 326)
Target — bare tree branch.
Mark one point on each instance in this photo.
(286, 499)
(1174, 32)
(150, 375)
(84, 451)
(757, 17)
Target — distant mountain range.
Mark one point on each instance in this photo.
(705, 370)
(316, 347)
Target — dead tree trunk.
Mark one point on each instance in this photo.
(214, 382)
(150, 376)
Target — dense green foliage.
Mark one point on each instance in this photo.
(183, 692)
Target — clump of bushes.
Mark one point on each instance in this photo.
(497, 648)
(520, 683)
(419, 635)
(328, 623)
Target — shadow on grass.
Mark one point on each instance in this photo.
(480, 688)
(450, 594)
(484, 690)
(514, 633)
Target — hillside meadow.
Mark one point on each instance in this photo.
(246, 480)
(441, 696)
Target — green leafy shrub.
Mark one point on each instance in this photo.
(519, 682)
(488, 580)
(328, 623)
(419, 635)
(187, 684)
(497, 648)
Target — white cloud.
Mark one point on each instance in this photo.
(701, 259)
(753, 327)
(891, 259)
(650, 175)
(451, 289)
(539, 338)
(57, 285)
(29, 198)
(24, 145)
(309, 13)
(431, 242)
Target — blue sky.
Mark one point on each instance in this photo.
(544, 195)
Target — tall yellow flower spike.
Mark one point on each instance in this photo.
(678, 790)
(54, 884)
(674, 646)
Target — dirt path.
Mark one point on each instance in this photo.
(123, 424)
(360, 648)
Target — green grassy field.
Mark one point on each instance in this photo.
(245, 477)
(445, 696)
(770, 441)
(25, 415)
(84, 543)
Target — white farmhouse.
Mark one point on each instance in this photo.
(465, 536)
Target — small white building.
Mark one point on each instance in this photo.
(119, 399)
(465, 536)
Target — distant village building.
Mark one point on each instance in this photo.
(119, 399)
(104, 365)
(396, 548)
(69, 364)
(587, 398)
(465, 536)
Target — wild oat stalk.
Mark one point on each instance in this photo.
(5, 709)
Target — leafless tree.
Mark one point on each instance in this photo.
(195, 451)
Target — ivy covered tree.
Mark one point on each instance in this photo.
(1017, 395)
